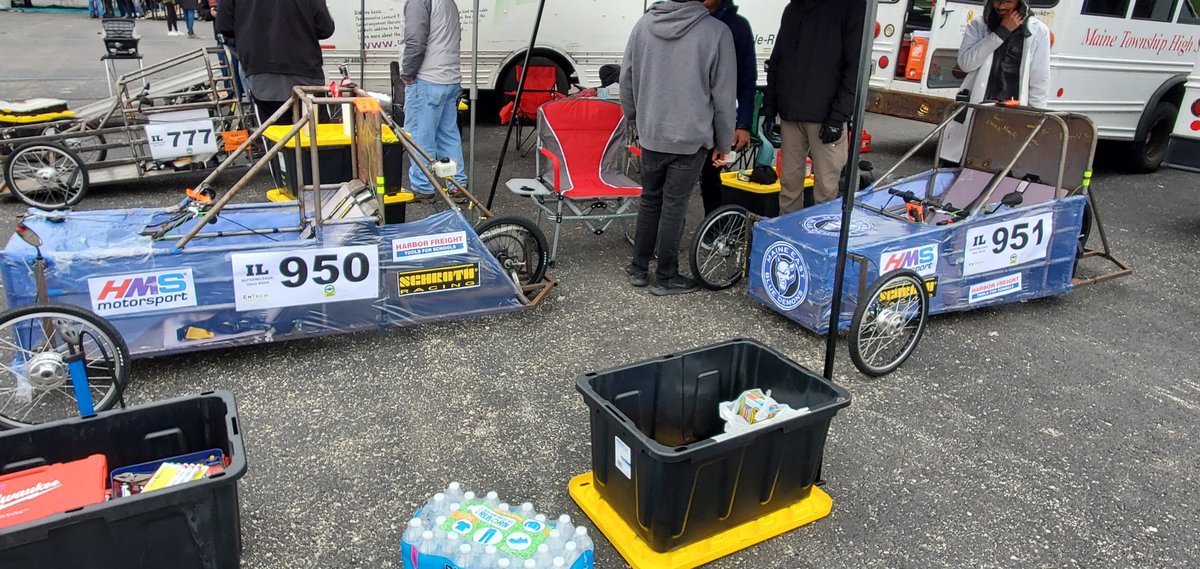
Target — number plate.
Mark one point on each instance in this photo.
(179, 139)
(1007, 244)
(297, 278)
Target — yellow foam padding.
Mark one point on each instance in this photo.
(730, 180)
(330, 134)
(640, 556)
(34, 119)
(398, 197)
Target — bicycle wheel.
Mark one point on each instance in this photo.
(37, 345)
(46, 176)
(888, 323)
(519, 246)
(89, 147)
(720, 246)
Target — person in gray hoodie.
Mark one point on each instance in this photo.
(679, 87)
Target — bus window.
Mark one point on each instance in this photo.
(1116, 8)
(920, 16)
(1188, 12)
(944, 71)
(1155, 10)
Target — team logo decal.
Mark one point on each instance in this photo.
(785, 275)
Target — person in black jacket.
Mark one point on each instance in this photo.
(812, 76)
(747, 78)
(278, 43)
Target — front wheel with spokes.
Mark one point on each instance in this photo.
(43, 349)
(46, 176)
(519, 246)
(719, 249)
(888, 322)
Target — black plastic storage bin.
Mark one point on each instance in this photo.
(675, 485)
(195, 525)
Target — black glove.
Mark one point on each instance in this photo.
(831, 132)
(768, 128)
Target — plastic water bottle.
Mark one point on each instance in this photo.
(555, 539)
(490, 557)
(540, 518)
(454, 506)
(463, 558)
(530, 564)
(492, 500)
(582, 538)
(543, 556)
(504, 563)
(503, 507)
(571, 552)
(454, 492)
(527, 510)
(427, 544)
(467, 497)
(436, 506)
(414, 531)
(559, 562)
(450, 545)
(564, 526)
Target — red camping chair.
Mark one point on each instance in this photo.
(586, 145)
(541, 87)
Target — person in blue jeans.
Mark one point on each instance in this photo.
(432, 76)
(189, 8)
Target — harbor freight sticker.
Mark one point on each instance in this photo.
(997, 288)
(923, 260)
(784, 275)
(428, 246)
(624, 458)
(142, 292)
(439, 279)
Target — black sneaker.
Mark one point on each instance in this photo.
(677, 285)
(423, 197)
(636, 277)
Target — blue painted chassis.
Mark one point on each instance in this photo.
(874, 234)
(89, 244)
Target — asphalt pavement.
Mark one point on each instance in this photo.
(1049, 433)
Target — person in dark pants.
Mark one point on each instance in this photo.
(278, 43)
(747, 76)
(678, 87)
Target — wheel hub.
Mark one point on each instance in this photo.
(890, 322)
(47, 174)
(47, 370)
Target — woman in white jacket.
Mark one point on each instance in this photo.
(1006, 55)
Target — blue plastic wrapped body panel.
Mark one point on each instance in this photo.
(245, 289)
(1006, 256)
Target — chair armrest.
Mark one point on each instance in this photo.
(554, 162)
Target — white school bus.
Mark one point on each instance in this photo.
(1184, 150)
(578, 36)
(1123, 63)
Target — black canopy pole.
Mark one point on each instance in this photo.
(537, 24)
(850, 180)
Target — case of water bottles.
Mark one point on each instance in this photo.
(460, 530)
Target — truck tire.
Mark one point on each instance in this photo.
(1148, 153)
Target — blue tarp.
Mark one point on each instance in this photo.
(246, 289)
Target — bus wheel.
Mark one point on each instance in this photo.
(1149, 152)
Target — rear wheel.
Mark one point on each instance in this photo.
(888, 323)
(720, 247)
(38, 344)
(519, 246)
(1149, 152)
(46, 176)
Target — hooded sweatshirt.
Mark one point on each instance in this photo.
(678, 79)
